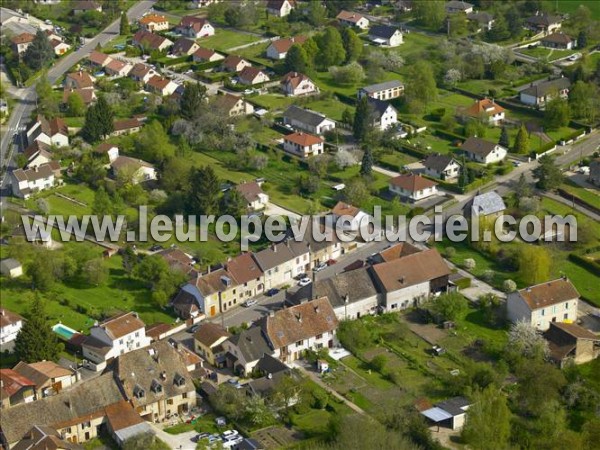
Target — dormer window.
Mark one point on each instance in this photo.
(156, 387)
(178, 380)
(138, 391)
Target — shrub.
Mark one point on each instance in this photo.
(378, 363)
(463, 283)
(487, 276)
(469, 264)
(509, 286)
(450, 252)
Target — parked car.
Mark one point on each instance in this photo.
(194, 328)
(300, 276)
(516, 163)
(156, 248)
(271, 292)
(249, 303)
(304, 282)
(320, 267)
(331, 262)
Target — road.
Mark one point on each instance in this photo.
(26, 103)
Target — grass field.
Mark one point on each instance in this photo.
(546, 54)
(570, 6)
(587, 195)
(225, 39)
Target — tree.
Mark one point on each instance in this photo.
(582, 39)
(366, 167)
(352, 44)
(316, 14)
(421, 84)
(159, 277)
(296, 59)
(36, 341)
(98, 121)
(233, 203)
(40, 51)
(450, 306)
(41, 275)
(75, 105)
(430, 13)
(504, 140)
(363, 121)
(95, 272)
(153, 143)
(584, 99)
(191, 104)
(548, 174)
(349, 74)
(525, 341)
(534, 263)
(331, 48)
(522, 188)
(103, 205)
(522, 141)
(204, 191)
(144, 441)
(539, 386)
(354, 335)
(488, 421)
(557, 114)
(356, 192)
(124, 28)
(311, 48)
(344, 158)
(452, 77)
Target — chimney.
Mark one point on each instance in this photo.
(271, 313)
(274, 247)
(299, 317)
(401, 280)
(269, 376)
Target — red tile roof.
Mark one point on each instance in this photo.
(549, 293)
(303, 139)
(283, 45)
(153, 18)
(412, 183)
(485, 106)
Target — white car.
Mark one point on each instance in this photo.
(320, 267)
(249, 303)
(304, 282)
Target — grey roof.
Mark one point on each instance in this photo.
(438, 163)
(273, 256)
(252, 344)
(382, 86)
(481, 17)
(455, 406)
(379, 107)
(270, 364)
(478, 146)
(382, 31)
(547, 87)
(355, 285)
(75, 403)
(10, 263)
(543, 19)
(457, 4)
(488, 203)
(305, 116)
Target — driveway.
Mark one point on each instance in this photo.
(181, 441)
(275, 210)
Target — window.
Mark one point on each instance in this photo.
(137, 344)
(234, 292)
(567, 305)
(299, 343)
(137, 334)
(319, 336)
(170, 401)
(184, 395)
(543, 312)
(120, 341)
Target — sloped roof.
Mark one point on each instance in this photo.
(397, 251)
(125, 161)
(153, 18)
(558, 38)
(481, 17)
(273, 256)
(379, 107)
(37, 147)
(382, 31)
(349, 16)
(81, 79)
(478, 146)
(183, 45)
(487, 203)
(412, 182)
(122, 324)
(290, 325)
(210, 333)
(23, 38)
(547, 87)
(458, 4)
(148, 39)
(344, 209)
(87, 95)
(13, 381)
(549, 293)
(205, 53)
(438, 162)
(278, 4)
(303, 139)
(249, 73)
(116, 65)
(305, 116)
(214, 282)
(249, 190)
(127, 124)
(41, 372)
(543, 19)
(232, 61)
(283, 45)
(44, 438)
(252, 344)
(99, 58)
(382, 86)
(294, 78)
(485, 106)
(140, 70)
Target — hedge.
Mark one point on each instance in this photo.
(347, 99)
(448, 135)
(207, 65)
(572, 197)
(463, 283)
(167, 62)
(587, 264)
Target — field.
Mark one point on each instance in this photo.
(568, 6)
(226, 39)
(546, 54)
(587, 195)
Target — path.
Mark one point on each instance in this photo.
(181, 441)
(575, 206)
(262, 41)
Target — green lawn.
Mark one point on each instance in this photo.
(326, 83)
(546, 54)
(256, 52)
(570, 6)
(272, 102)
(225, 39)
(332, 107)
(590, 196)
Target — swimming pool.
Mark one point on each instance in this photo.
(64, 331)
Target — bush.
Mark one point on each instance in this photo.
(487, 276)
(378, 363)
(463, 283)
(450, 252)
(509, 286)
(469, 264)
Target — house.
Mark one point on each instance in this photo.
(450, 413)
(50, 132)
(49, 377)
(486, 110)
(185, 305)
(544, 303)
(10, 325)
(161, 86)
(282, 261)
(79, 80)
(303, 145)
(37, 153)
(412, 187)
(42, 437)
(233, 105)
(324, 244)
(278, 49)
(184, 47)
(114, 337)
(383, 91)
(195, 27)
(443, 167)
(295, 84)
(571, 343)
(280, 8)
(307, 120)
(215, 292)
(126, 126)
(247, 273)
(394, 252)
(76, 414)
(233, 63)
(108, 152)
(489, 204)
(177, 259)
(136, 170)
(384, 115)
(385, 35)
(123, 422)
(99, 59)
(595, 172)
(150, 41)
(484, 21)
(458, 6)
(117, 68)
(352, 19)
(558, 40)
(83, 6)
(206, 55)
(25, 182)
(252, 75)
(539, 94)
(482, 151)
(154, 22)
(244, 350)
(21, 42)
(208, 340)
(156, 381)
(403, 6)
(352, 294)
(543, 23)
(60, 47)
(87, 95)
(293, 331)
(256, 199)
(141, 73)
(356, 217)
(11, 268)
(16, 388)
(407, 281)
(273, 372)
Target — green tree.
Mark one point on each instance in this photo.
(159, 277)
(488, 421)
(40, 51)
(584, 99)
(331, 48)
(522, 141)
(316, 13)
(36, 341)
(352, 44)
(363, 119)
(204, 192)
(366, 167)
(504, 140)
(296, 59)
(98, 121)
(41, 274)
(75, 105)
(582, 39)
(354, 335)
(153, 143)
(144, 441)
(421, 83)
(548, 174)
(124, 28)
(233, 203)
(535, 264)
(311, 48)
(356, 192)
(430, 13)
(539, 385)
(450, 306)
(103, 205)
(557, 114)
(522, 188)
(95, 272)
(192, 103)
